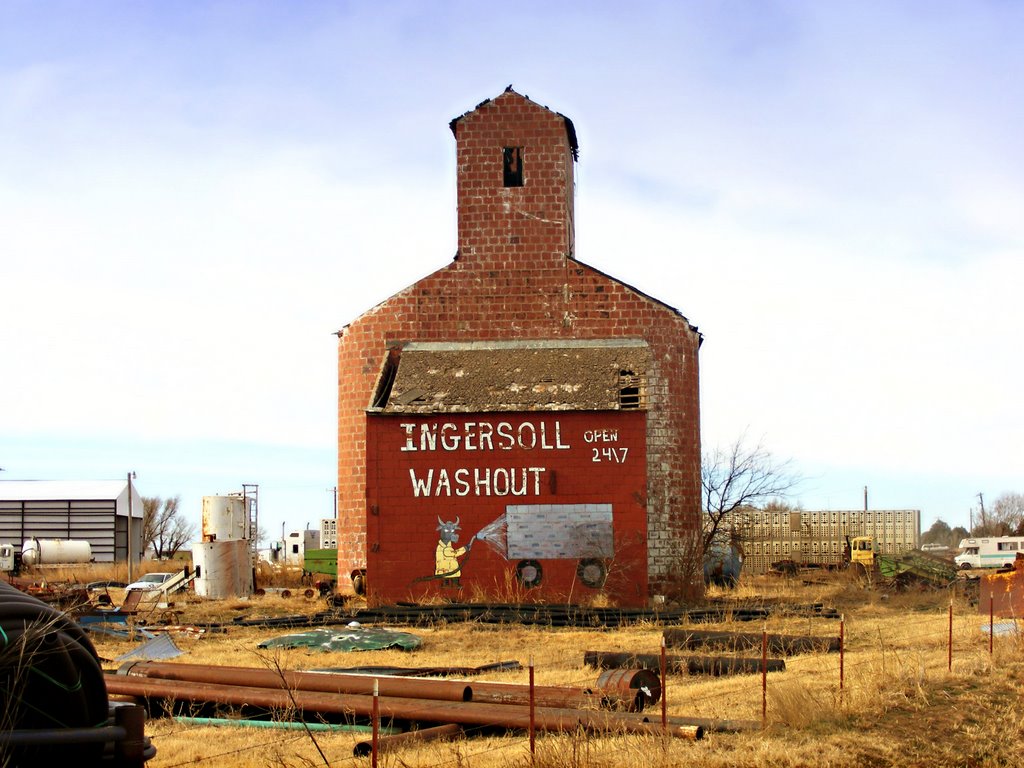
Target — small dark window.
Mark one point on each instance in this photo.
(631, 390)
(512, 163)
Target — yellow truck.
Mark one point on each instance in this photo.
(863, 551)
(859, 550)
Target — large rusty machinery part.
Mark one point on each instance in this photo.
(359, 581)
(50, 679)
(592, 572)
(529, 573)
(636, 689)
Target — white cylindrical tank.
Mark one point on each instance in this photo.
(51, 551)
(225, 517)
(225, 568)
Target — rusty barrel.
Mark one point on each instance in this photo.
(635, 688)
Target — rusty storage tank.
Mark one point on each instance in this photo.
(225, 568)
(723, 563)
(53, 551)
(226, 517)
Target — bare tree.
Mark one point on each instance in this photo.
(1006, 516)
(736, 481)
(164, 527)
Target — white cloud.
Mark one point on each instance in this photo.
(190, 203)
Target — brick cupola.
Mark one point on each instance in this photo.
(515, 183)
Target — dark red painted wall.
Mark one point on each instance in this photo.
(572, 486)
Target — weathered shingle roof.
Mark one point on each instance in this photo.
(545, 375)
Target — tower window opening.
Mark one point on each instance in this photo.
(512, 164)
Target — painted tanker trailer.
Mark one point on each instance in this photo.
(530, 534)
(36, 552)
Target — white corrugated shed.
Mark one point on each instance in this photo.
(92, 510)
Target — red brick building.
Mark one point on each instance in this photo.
(518, 424)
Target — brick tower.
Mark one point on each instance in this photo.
(511, 342)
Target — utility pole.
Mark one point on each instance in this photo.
(984, 522)
(334, 491)
(131, 512)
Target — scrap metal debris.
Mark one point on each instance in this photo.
(1003, 592)
(159, 647)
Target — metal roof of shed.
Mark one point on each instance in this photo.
(50, 490)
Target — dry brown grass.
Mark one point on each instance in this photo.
(899, 704)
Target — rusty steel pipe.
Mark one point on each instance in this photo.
(607, 694)
(692, 665)
(781, 644)
(324, 682)
(544, 695)
(548, 719)
(390, 743)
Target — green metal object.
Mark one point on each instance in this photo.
(284, 725)
(346, 639)
(929, 568)
(324, 561)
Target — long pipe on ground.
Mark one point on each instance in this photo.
(691, 665)
(544, 696)
(395, 707)
(781, 644)
(324, 682)
(391, 743)
(334, 682)
(274, 725)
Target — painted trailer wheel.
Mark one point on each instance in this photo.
(529, 573)
(592, 572)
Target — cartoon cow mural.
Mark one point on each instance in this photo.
(446, 557)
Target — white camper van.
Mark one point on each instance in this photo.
(992, 552)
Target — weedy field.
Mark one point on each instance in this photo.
(898, 696)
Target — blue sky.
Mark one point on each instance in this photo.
(195, 196)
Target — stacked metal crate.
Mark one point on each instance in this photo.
(818, 537)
